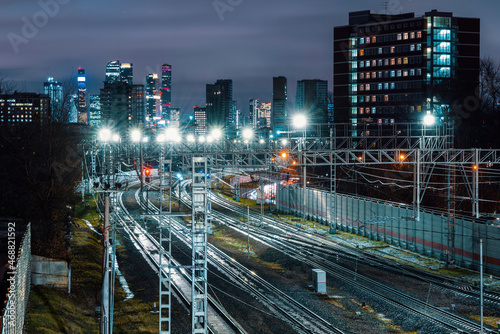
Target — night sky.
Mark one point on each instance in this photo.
(250, 42)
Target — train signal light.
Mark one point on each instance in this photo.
(147, 173)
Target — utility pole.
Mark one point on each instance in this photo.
(481, 281)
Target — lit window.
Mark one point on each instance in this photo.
(393, 74)
(362, 52)
(386, 98)
(374, 39)
(419, 47)
(361, 75)
(379, 86)
(399, 73)
(367, 87)
(412, 35)
(405, 60)
(367, 63)
(405, 73)
(412, 47)
(393, 49)
(393, 61)
(386, 85)
(368, 75)
(361, 110)
(374, 75)
(412, 72)
(374, 98)
(399, 61)
(361, 87)
(386, 62)
(367, 40)
(405, 35)
(379, 51)
(361, 64)
(399, 37)
(419, 34)
(380, 62)
(374, 63)
(361, 40)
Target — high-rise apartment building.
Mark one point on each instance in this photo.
(23, 108)
(82, 96)
(94, 110)
(166, 94)
(200, 120)
(175, 117)
(113, 71)
(220, 106)
(398, 68)
(311, 100)
(152, 97)
(127, 73)
(279, 107)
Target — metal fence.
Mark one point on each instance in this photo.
(15, 308)
(396, 224)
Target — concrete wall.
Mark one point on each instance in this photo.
(395, 224)
(49, 272)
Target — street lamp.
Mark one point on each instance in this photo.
(247, 133)
(216, 134)
(105, 135)
(300, 122)
(429, 120)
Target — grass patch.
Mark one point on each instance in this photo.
(52, 311)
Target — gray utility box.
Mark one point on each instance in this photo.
(319, 280)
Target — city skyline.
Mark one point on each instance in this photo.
(249, 43)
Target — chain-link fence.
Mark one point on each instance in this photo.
(19, 281)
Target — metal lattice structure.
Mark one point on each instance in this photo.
(199, 242)
(165, 246)
(17, 302)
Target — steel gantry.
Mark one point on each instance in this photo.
(165, 245)
(424, 147)
(199, 241)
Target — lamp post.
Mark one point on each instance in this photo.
(300, 122)
(107, 301)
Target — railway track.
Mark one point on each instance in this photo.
(394, 297)
(301, 318)
(149, 247)
(324, 246)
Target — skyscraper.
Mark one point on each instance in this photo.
(166, 95)
(82, 97)
(94, 110)
(54, 90)
(253, 105)
(113, 71)
(136, 114)
(115, 106)
(152, 97)
(219, 103)
(127, 73)
(398, 68)
(311, 100)
(279, 108)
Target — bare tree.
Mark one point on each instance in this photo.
(6, 86)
